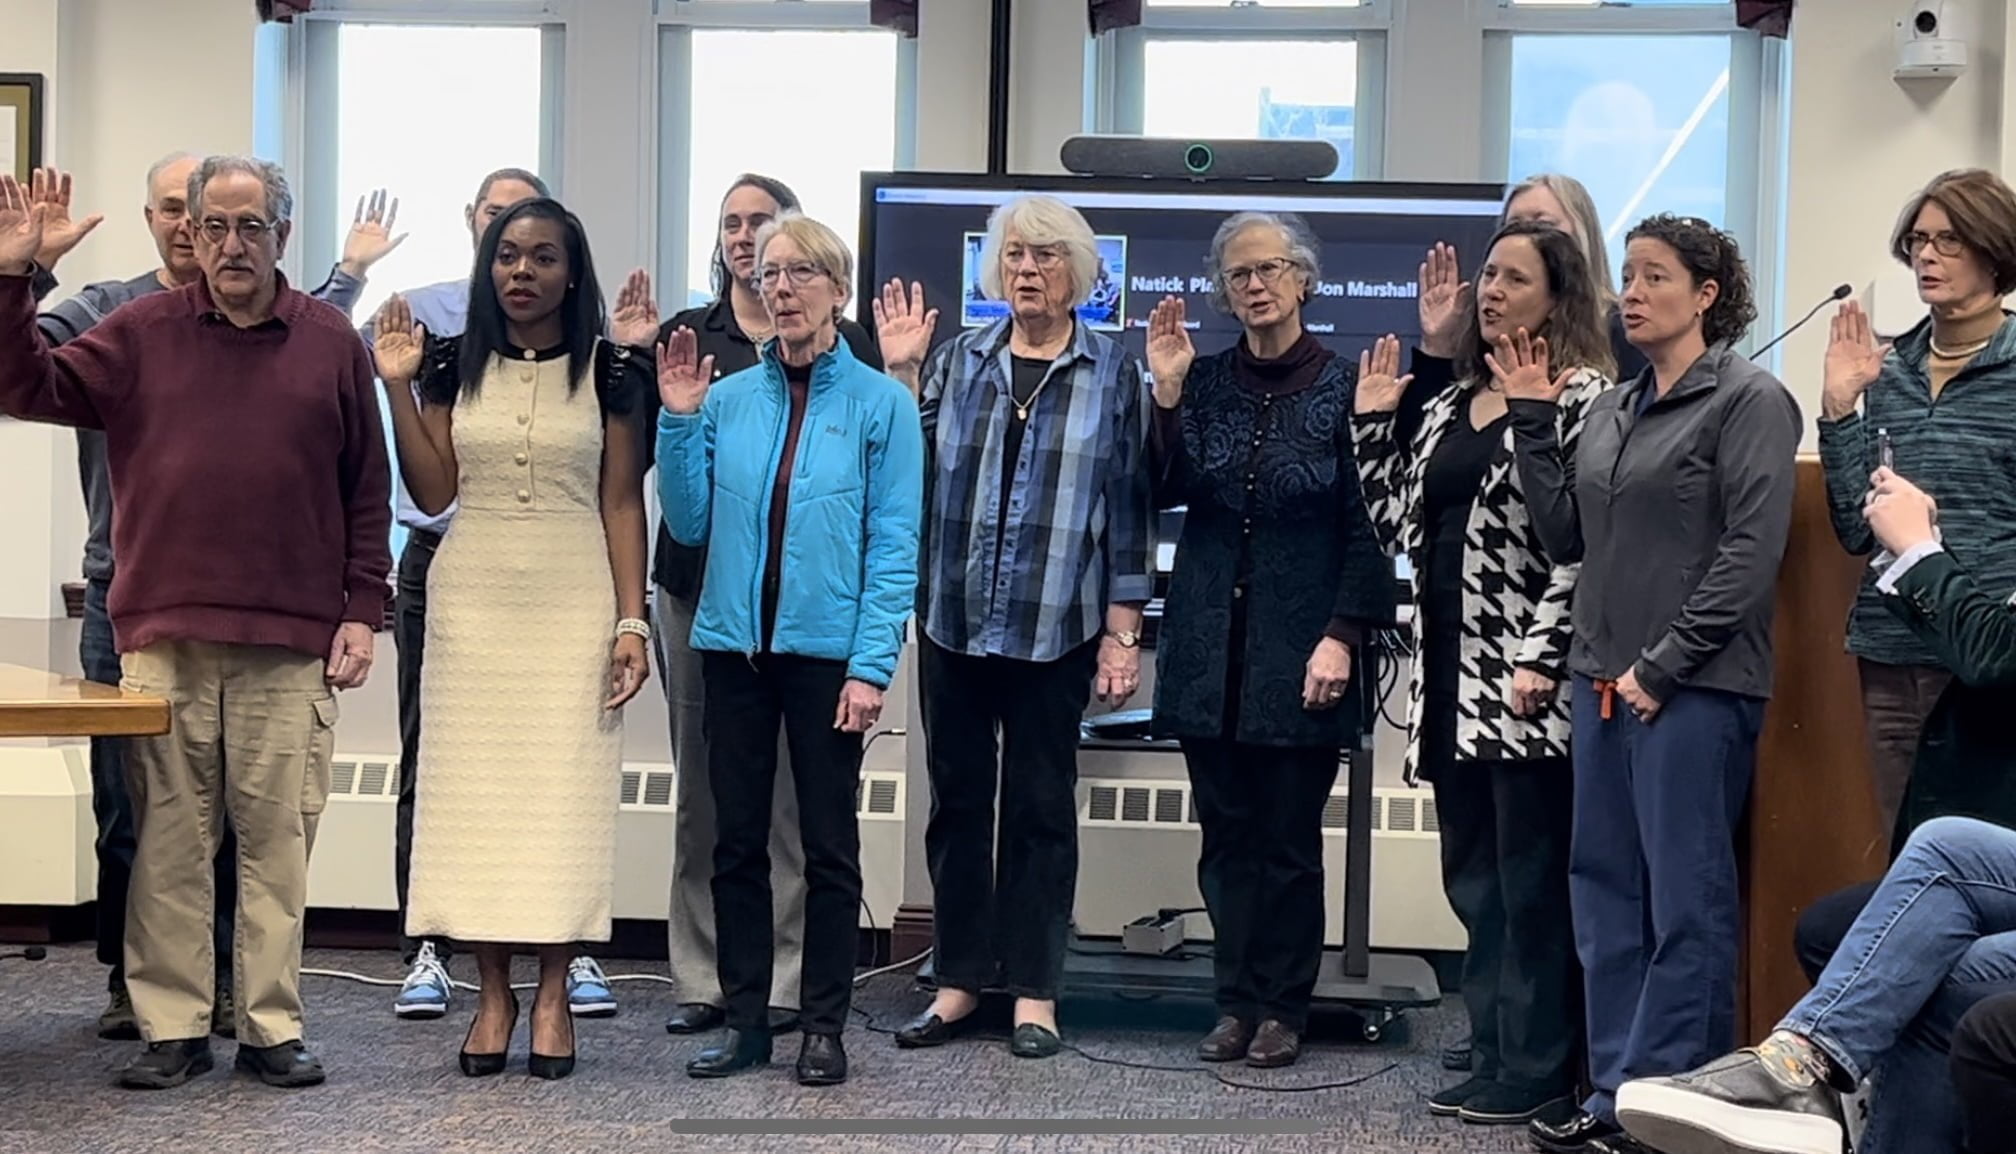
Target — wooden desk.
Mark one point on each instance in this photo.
(37, 703)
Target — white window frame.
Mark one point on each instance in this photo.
(1754, 211)
(677, 21)
(1119, 61)
(308, 126)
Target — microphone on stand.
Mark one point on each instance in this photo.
(1841, 293)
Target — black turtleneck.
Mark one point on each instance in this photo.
(1291, 372)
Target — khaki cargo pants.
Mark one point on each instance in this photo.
(253, 733)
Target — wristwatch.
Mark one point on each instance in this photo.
(1127, 638)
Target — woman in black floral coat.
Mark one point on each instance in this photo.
(1278, 582)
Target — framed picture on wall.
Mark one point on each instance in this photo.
(20, 123)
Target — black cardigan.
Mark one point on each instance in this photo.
(1311, 551)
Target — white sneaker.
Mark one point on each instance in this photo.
(426, 991)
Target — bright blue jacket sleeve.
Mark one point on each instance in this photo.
(894, 519)
(686, 472)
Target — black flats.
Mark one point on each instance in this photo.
(741, 1050)
(1033, 1041)
(476, 1065)
(929, 1030)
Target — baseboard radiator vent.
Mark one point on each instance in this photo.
(1151, 827)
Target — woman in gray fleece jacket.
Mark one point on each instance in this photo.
(1676, 502)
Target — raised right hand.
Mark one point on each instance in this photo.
(1444, 296)
(398, 343)
(683, 374)
(1854, 361)
(1170, 351)
(21, 226)
(1379, 386)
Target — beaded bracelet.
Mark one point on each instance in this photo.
(635, 626)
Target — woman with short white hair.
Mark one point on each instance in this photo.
(1036, 564)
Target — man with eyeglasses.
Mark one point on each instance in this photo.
(244, 450)
(166, 213)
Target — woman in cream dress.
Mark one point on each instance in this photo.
(535, 631)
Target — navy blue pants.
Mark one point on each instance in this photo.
(1652, 880)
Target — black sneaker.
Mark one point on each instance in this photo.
(1448, 1103)
(224, 1011)
(1500, 1105)
(118, 1022)
(1737, 1104)
(165, 1065)
(1573, 1133)
(288, 1064)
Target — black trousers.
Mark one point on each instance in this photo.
(1505, 836)
(112, 813)
(1261, 871)
(747, 699)
(1823, 926)
(1984, 1074)
(409, 623)
(1001, 905)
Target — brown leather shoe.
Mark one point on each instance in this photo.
(1274, 1045)
(1227, 1040)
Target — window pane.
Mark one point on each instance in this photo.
(1619, 4)
(1642, 121)
(1265, 89)
(452, 73)
(1255, 3)
(822, 163)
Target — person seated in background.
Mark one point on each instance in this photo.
(1037, 561)
(253, 555)
(1487, 725)
(1938, 402)
(167, 214)
(1279, 582)
(442, 309)
(730, 329)
(811, 529)
(1677, 501)
(1925, 968)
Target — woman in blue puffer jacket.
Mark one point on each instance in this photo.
(811, 526)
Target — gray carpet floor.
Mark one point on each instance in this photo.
(393, 1085)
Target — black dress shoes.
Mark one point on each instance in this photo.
(740, 1050)
(164, 1065)
(1033, 1041)
(1227, 1041)
(931, 1030)
(783, 1020)
(288, 1064)
(695, 1018)
(1577, 1135)
(822, 1061)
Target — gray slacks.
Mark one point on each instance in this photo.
(690, 920)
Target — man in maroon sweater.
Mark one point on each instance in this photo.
(249, 469)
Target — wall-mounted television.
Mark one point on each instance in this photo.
(1154, 236)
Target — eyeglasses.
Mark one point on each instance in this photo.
(801, 273)
(250, 229)
(1046, 256)
(1943, 243)
(1269, 271)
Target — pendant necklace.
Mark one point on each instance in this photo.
(1022, 407)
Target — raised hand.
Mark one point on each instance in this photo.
(60, 233)
(1854, 360)
(1444, 296)
(1379, 385)
(1170, 351)
(1519, 367)
(903, 328)
(683, 374)
(398, 343)
(635, 321)
(371, 239)
(21, 227)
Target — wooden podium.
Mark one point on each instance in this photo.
(1813, 826)
(37, 703)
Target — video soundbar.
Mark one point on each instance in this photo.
(1096, 155)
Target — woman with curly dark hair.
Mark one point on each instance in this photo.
(1676, 502)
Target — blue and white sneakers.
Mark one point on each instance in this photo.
(426, 991)
(588, 992)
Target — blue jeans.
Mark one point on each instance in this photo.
(112, 810)
(1938, 936)
(1652, 880)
